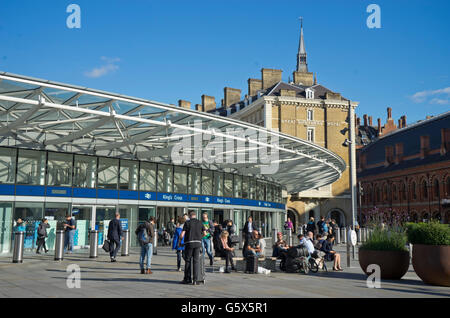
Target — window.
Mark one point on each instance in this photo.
(413, 191)
(261, 190)
(404, 194)
(309, 93)
(424, 189)
(309, 114)
(207, 185)
(31, 167)
(165, 175)
(436, 188)
(394, 192)
(237, 186)
(84, 171)
(108, 170)
(252, 188)
(218, 183)
(7, 165)
(180, 180)
(310, 134)
(147, 176)
(59, 169)
(447, 182)
(245, 187)
(128, 175)
(228, 185)
(194, 181)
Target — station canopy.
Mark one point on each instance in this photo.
(45, 115)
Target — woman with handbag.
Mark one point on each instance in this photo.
(225, 251)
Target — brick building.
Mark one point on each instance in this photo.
(407, 168)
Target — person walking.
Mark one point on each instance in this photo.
(176, 238)
(248, 229)
(171, 226)
(114, 236)
(206, 240)
(42, 234)
(193, 232)
(288, 225)
(69, 228)
(145, 233)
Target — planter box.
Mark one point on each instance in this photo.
(432, 263)
(393, 264)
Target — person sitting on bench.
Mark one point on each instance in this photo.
(223, 250)
(253, 247)
(280, 246)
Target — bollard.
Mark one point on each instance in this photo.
(359, 236)
(274, 236)
(343, 235)
(93, 243)
(126, 243)
(18, 247)
(241, 239)
(364, 234)
(289, 237)
(59, 245)
(155, 243)
(338, 237)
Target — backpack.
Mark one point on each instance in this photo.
(142, 235)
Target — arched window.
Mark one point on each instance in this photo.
(413, 191)
(424, 189)
(447, 184)
(394, 192)
(403, 190)
(385, 193)
(436, 188)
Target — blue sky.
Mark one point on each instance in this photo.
(170, 50)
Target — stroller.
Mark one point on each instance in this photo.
(298, 260)
(164, 237)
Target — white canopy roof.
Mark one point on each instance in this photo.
(39, 114)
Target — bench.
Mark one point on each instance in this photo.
(239, 262)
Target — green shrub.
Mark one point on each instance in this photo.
(385, 240)
(432, 233)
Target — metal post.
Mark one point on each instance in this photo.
(241, 239)
(338, 237)
(59, 245)
(126, 243)
(93, 243)
(359, 235)
(274, 236)
(155, 242)
(289, 237)
(343, 235)
(348, 246)
(18, 247)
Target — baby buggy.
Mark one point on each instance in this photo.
(296, 260)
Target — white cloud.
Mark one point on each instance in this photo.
(109, 67)
(442, 94)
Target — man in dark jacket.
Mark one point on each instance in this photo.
(193, 233)
(42, 234)
(114, 236)
(248, 229)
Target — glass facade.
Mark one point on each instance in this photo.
(46, 168)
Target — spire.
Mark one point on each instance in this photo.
(302, 66)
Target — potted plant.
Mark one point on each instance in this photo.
(386, 245)
(431, 251)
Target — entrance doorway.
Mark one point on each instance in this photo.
(338, 215)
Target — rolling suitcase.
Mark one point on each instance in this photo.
(201, 268)
(251, 264)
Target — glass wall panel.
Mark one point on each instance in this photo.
(207, 182)
(180, 179)
(147, 176)
(31, 167)
(260, 188)
(85, 170)
(56, 213)
(7, 165)
(83, 216)
(59, 169)
(218, 183)
(128, 175)
(245, 188)
(103, 214)
(165, 177)
(237, 186)
(194, 180)
(31, 213)
(108, 172)
(129, 220)
(228, 185)
(252, 188)
(6, 222)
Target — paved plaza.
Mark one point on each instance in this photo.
(41, 276)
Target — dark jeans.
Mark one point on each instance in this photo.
(179, 256)
(228, 258)
(114, 247)
(41, 243)
(192, 251)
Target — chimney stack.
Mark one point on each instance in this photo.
(370, 121)
(208, 103)
(403, 121)
(254, 85)
(399, 123)
(270, 77)
(184, 103)
(389, 113)
(365, 120)
(379, 126)
(231, 96)
(358, 121)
